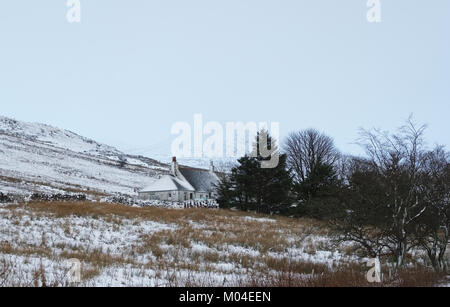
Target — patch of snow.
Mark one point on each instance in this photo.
(261, 219)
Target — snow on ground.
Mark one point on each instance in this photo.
(445, 282)
(261, 220)
(170, 248)
(54, 137)
(41, 158)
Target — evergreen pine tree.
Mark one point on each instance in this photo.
(252, 187)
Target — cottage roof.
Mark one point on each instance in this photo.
(202, 180)
(168, 183)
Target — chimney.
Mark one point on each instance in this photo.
(211, 167)
(174, 170)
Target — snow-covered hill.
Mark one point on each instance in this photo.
(41, 158)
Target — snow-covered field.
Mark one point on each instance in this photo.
(133, 246)
(41, 158)
(126, 246)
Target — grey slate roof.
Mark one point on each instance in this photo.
(202, 180)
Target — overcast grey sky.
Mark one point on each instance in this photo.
(132, 68)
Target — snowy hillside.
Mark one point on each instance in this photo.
(41, 158)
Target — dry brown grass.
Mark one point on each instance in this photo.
(151, 243)
(5, 272)
(8, 249)
(97, 210)
(347, 277)
(10, 179)
(214, 217)
(187, 252)
(97, 258)
(295, 267)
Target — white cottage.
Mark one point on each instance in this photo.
(183, 183)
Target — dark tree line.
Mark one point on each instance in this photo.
(393, 199)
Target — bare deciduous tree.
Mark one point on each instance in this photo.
(432, 232)
(399, 160)
(386, 190)
(308, 148)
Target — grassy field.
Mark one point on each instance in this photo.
(130, 246)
